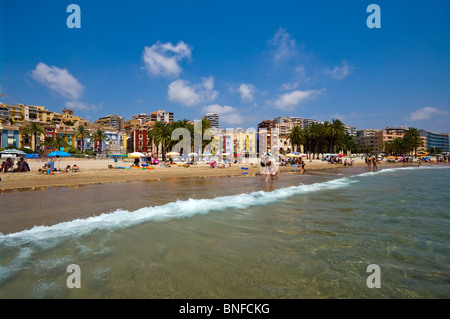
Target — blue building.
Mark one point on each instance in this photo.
(9, 136)
(436, 140)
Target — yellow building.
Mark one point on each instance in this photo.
(245, 142)
(67, 115)
(16, 113)
(48, 117)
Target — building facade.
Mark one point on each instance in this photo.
(161, 116)
(436, 140)
(213, 119)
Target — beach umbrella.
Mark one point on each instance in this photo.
(207, 154)
(12, 152)
(58, 153)
(172, 154)
(341, 155)
(136, 154)
(293, 155)
(296, 153)
(192, 154)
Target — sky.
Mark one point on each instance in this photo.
(248, 61)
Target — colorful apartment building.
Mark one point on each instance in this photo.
(9, 136)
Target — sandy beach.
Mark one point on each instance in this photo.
(95, 171)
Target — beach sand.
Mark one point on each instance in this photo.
(96, 171)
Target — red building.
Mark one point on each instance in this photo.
(140, 141)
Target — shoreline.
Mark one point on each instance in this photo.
(93, 194)
(94, 172)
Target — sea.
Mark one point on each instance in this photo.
(333, 233)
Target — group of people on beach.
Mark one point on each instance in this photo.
(371, 162)
(49, 169)
(8, 165)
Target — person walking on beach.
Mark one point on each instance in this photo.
(368, 162)
(302, 164)
(264, 169)
(268, 167)
(374, 162)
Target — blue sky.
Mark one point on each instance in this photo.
(247, 60)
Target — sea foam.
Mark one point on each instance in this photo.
(42, 235)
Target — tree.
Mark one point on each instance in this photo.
(184, 124)
(297, 137)
(335, 135)
(204, 124)
(161, 133)
(59, 142)
(82, 132)
(349, 144)
(48, 142)
(34, 129)
(100, 136)
(318, 135)
(412, 139)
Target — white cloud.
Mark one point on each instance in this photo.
(425, 113)
(285, 45)
(163, 58)
(183, 92)
(247, 91)
(77, 105)
(299, 76)
(59, 80)
(227, 114)
(340, 72)
(288, 101)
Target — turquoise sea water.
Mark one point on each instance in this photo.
(301, 236)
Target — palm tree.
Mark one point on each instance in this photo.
(204, 124)
(349, 144)
(318, 135)
(335, 134)
(82, 132)
(161, 133)
(59, 142)
(412, 139)
(34, 129)
(297, 137)
(184, 124)
(100, 136)
(48, 142)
